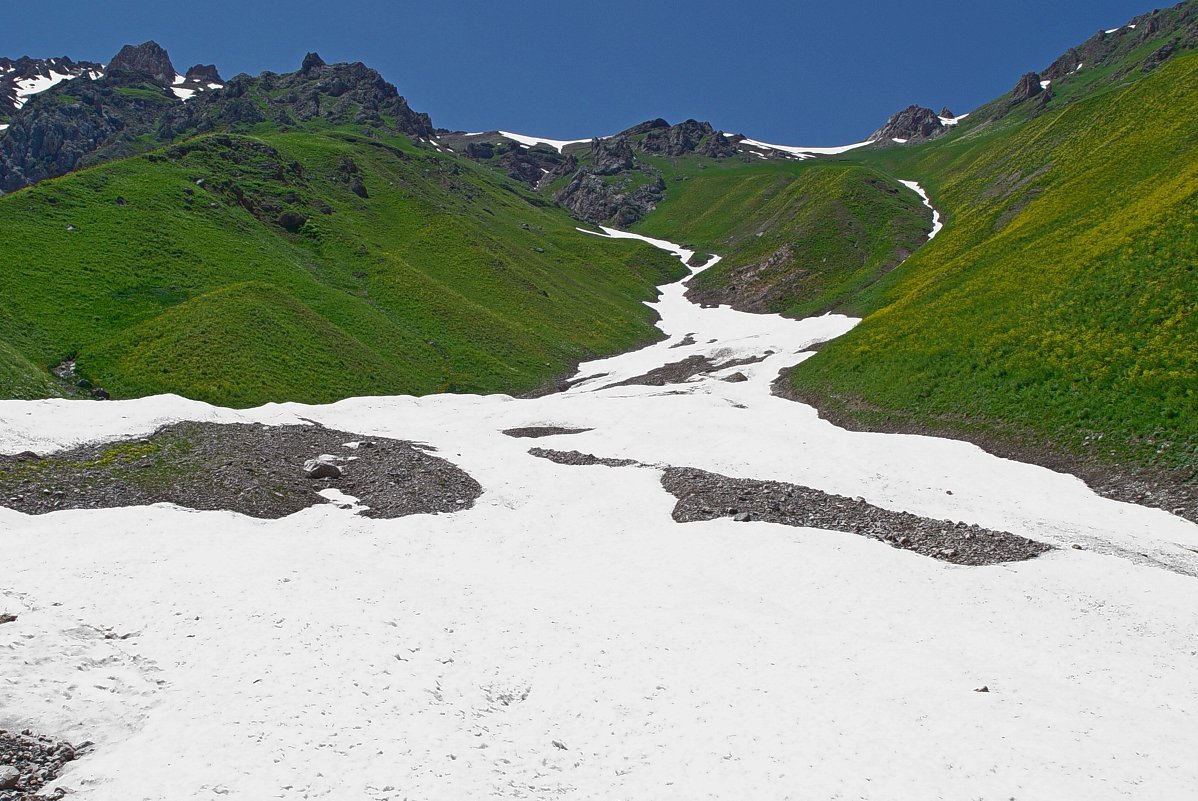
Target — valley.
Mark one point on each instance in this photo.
(564, 636)
(343, 455)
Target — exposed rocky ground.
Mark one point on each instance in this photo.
(252, 469)
(29, 762)
(705, 496)
(579, 459)
(131, 109)
(688, 368)
(541, 431)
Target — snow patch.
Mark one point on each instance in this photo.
(804, 152)
(900, 141)
(953, 120)
(936, 223)
(530, 141)
(29, 87)
(564, 638)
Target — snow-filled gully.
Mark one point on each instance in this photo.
(566, 638)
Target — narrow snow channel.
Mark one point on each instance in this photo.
(937, 224)
(566, 638)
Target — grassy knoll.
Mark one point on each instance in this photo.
(307, 265)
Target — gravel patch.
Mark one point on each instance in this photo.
(29, 762)
(252, 469)
(533, 432)
(688, 368)
(579, 459)
(705, 496)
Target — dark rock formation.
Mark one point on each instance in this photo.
(690, 136)
(204, 73)
(947, 113)
(13, 72)
(1159, 56)
(138, 63)
(914, 123)
(589, 197)
(86, 122)
(611, 156)
(1027, 88)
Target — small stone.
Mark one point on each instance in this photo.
(949, 553)
(7, 618)
(317, 468)
(560, 745)
(9, 776)
(1077, 547)
(742, 517)
(982, 689)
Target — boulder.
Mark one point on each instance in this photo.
(319, 468)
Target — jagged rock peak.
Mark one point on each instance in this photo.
(914, 123)
(645, 127)
(1028, 87)
(312, 64)
(947, 113)
(203, 73)
(146, 60)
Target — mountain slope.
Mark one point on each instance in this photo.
(1058, 304)
(309, 266)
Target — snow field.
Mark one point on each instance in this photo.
(327, 655)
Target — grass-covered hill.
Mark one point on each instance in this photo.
(1061, 300)
(311, 264)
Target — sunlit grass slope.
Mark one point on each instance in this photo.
(306, 266)
(797, 238)
(1061, 301)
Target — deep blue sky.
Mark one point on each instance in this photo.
(800, 72)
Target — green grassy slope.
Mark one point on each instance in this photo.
(1059, 303)
(797, 238)
(308, 265)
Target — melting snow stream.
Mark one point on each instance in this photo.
(564, 637)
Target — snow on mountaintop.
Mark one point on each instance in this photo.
(23, 78)
(953, 120)
(804, 152)
(566, 638)
(557, 144)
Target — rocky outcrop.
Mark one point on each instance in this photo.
(204, 73)
(1027, 88)
(677, 140)
(913, 124)
(15, 75)
(947, 113)
(611, 156)
(589, 197)
(138, 63)
(88, 122)
(336, 93)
